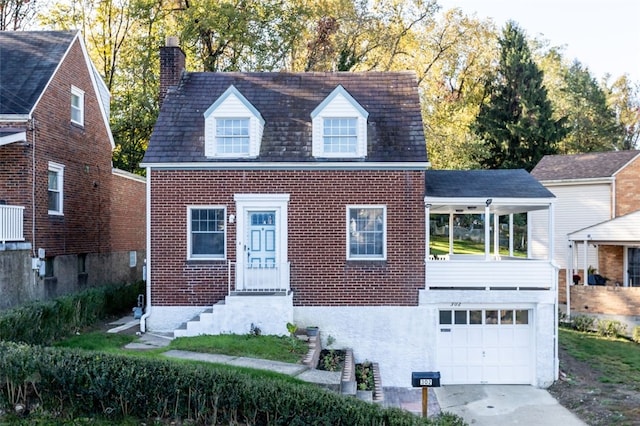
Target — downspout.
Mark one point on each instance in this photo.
(147, 309)
(33, 185)
(554, 277)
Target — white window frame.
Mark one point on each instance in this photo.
(353, 137)
(190, 255)
(77, 109)
(339, 105)
(246, 121)
(351, 231)
(59, 170)
(232, 105)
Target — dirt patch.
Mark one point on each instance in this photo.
(581, 391)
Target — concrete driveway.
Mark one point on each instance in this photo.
(491, 405)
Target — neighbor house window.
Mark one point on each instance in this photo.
(206, 237)
(77, 106)
(340, 135)
(232, 136)
(366, 232)
(55, 187)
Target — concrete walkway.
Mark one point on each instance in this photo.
(490, 405)
(478, 405)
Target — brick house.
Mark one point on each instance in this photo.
(301, 197)
(598, 225)
(67, 218)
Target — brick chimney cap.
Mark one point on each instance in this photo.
(171, 41)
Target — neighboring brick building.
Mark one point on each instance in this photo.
(67, 219)
(303, 198)
(598, 224)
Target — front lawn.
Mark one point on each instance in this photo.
(275, 348)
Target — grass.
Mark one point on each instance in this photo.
(275, 348)
(617, 359)
(440, 245)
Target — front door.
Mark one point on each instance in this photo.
(633, 268)
(261, 266)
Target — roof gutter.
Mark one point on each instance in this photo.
(585, 181)
(417, 166)
(12, 118)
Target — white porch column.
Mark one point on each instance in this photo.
(552, 249)
(450, 233)
(487, 234)
(496, 235)
(585, 268)
(511, 234)
(427, 232)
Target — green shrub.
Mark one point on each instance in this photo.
(611, 328)
(635, 335)
(75, 384)
(48, 321)
(583, 322)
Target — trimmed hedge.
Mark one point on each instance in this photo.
(42, 323)
(79, 383)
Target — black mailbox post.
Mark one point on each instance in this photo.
(425, 380)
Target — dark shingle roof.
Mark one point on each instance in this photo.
(27, 62)
(285, 101)
(582, 166)
(501, 183)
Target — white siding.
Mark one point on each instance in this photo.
(577, 207)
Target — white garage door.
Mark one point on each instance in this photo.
(477, 346)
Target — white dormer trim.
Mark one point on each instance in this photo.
(339, 104)
(232, 105)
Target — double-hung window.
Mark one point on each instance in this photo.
(207, 232)
(77, 106)
(232, 136)
(366, 232)
(340, 135)
(55, 187)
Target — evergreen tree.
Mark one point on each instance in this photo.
(516, 124)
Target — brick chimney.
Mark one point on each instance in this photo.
(172, 63)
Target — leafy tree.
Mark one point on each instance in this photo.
(516, 123)
(16, 14)
(590, 122)
(451, 64)
(624, 98)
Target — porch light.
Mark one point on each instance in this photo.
(489, 201)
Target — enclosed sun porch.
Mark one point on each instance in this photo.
(478, 233)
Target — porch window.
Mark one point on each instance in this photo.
(232, 136)
(55, 188)
(207, 232)
(366, 232)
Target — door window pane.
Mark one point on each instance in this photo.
(491, 317)
(445, 317)
(475, 317)
(506, 317)
(522, 316)
(461, 317)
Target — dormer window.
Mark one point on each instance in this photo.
(339, 127)
(232, 136)
(233, 127)
(340, 135)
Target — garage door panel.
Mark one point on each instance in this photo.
(495, 352)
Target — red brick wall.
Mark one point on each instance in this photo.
(85, 151)
(628, 189)
(611, 263)
(15, 176)
(606, 300)
(320, 273)
(128, 212)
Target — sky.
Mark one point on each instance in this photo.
(603, 35)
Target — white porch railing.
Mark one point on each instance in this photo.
(509, 273)
(268, 279)
(11, 223)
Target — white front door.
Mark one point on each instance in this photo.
(485, 346)
(262, 257)
(262, 242)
